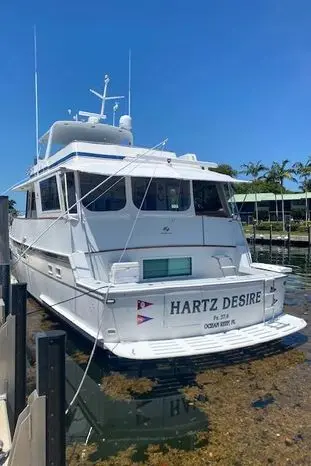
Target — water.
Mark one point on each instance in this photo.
(187, 403)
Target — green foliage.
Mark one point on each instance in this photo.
(253, 169)
(279, 172)
(270, 180)
(225, 169)
(258, 186)
(303, 171)
(263, 226)
(13, 212)
(277, 226)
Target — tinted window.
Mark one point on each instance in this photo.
(172, 267)
(208, 199)
(49, 194)
(109, 196)
(69, 193)
(162, 194)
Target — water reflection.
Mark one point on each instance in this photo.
(160, 417)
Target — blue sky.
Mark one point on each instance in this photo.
(229, 80)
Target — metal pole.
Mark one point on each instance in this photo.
(270, 234)
(4, 230)
(283, 213)
(5, 252)
(309, 235)
(254, 232)
(289, 233)
(51, 383)
(307, 212)
(19, 301)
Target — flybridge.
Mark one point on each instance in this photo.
(88, 126)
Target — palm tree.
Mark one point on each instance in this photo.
(303, 171)
(278, 173)
(254, 169)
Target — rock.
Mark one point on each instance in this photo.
(288, 442)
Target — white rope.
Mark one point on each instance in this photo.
(75, 396)
(13, 186)
(81, 199)
(88, 435)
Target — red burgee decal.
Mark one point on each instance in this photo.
(142, 304)
(141, 319)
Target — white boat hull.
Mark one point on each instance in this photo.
(165, 324)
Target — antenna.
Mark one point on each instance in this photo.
(130, 79)
(115, 108)
(36, 92)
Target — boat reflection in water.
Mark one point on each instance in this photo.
(159, 417)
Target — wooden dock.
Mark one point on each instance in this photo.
(279, 239)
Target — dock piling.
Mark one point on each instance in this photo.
(51, 384)
(19, 302)
(5, 253)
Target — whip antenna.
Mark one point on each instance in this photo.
(130, 79)
(36, 92)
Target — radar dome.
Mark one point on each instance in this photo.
(125, 122)
(93, 120)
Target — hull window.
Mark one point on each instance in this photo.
(209, 199)
(109, 196)
(49, 194)
(163, 268)
(163, 194)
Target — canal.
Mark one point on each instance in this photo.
(245, 407)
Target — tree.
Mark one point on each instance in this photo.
(303, 171)
(278, 173)
(254, 170)
(13, 212)
(226, 169)
(258, 186)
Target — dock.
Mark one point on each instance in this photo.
(284, 239)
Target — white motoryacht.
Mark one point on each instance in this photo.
(142, 250)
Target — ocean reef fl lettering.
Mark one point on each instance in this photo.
(214, 304)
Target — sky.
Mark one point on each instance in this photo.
(228, 80)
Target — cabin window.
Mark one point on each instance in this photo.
(108, 197)
(49, 194)
(162, 194)
(69, 192)
(31, 210)
(209, 199)
(164, 268)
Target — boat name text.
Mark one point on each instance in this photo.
(214, 304)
